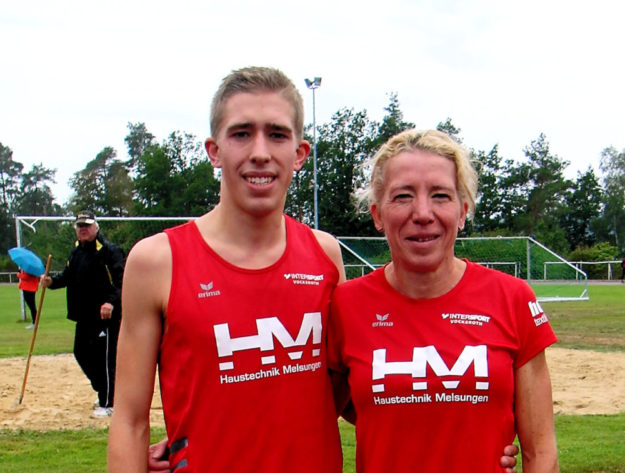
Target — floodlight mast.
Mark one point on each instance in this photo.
(313, 85)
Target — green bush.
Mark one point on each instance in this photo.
(598, 252)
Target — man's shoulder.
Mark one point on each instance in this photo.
(151, 250)
(325, 239)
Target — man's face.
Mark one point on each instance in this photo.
(86, 232)
(257, 149)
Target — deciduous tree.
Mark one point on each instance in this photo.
(35, 196)
(175, 178)
(103, 186)
(612, 165)
(582, 207)
(10, 173)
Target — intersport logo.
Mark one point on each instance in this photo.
(466, 319)
(304, 279)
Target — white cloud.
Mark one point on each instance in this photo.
(75, 73)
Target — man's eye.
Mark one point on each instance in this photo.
(402, 197)
(441, 196)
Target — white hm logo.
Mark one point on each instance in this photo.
(424, 356)
(268, 329)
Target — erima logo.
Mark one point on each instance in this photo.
(207, 291)
(382, 321)
(422, 357)
(537, 310)
(304, 279)
(269, 329)
(466, 319)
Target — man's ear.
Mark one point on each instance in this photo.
(212, 149)
(302, 151)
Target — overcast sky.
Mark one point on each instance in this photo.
(74, 73)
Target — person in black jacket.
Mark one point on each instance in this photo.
(93, 278)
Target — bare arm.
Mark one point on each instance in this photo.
(534, 413)
(331, 246)
(144, 294)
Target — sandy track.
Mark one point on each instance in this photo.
(58, 396)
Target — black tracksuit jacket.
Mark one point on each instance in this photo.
(92, 275)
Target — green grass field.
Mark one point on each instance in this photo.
(587, 444)
(55, 333)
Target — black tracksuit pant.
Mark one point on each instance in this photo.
(29, 299)
(95, 350)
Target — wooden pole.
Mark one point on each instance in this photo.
(32, 341)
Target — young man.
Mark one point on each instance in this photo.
(234, 307)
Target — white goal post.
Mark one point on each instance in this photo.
(522, 257)
(30, 222)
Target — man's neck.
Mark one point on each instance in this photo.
(247, 241)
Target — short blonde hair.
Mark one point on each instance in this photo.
(433, 141)
(252, 80)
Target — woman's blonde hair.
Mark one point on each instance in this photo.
(433, 141)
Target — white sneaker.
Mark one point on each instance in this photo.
(30, 327)
(102, 412)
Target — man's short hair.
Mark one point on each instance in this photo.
(256, 79)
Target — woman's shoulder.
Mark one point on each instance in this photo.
(493, 278)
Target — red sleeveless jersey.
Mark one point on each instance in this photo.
(242, 365)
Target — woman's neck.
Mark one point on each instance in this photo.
(425, 285)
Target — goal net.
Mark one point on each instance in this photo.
(54, 236)
(551, 276)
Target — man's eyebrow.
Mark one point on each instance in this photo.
(279, 127)
(270, 126)
(239, 126)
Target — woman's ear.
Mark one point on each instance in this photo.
(377, 217)
(463, 216)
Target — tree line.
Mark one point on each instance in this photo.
(582, 219)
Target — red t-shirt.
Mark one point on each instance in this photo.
(432, 380)
(243, 369)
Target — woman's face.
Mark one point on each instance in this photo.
(420, 210)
